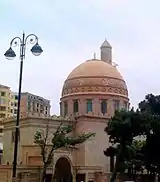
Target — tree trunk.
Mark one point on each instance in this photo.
(114, 174)
(44, 173)
(130, 173)
(111, 163)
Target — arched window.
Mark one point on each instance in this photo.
(125, 105)
(116, 105)
(65, 108)
(75, 106)
(104, 106)
(89, 105)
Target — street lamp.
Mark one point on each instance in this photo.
(10, 54)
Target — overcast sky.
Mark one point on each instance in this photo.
(71, 31)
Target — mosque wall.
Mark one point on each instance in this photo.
(94, 147)
(28, 127)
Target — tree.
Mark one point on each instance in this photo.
(61, 138)
(122, 128)
(111, 152)
(119, 128)
(135, 163)
(150, 104)
(125, 129)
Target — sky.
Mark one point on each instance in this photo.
(71, 31)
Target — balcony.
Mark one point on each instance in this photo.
(3, 105)
(2, 114)
(2, 108)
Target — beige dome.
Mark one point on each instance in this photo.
(94, 76)
(95, 68)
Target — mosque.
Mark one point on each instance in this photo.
(90, 95)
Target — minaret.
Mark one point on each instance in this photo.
(106, 52)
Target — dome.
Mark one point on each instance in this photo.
(95, 76)
(95, 68)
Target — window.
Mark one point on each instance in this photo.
(3, 94)
(75, 106)
(104, 107)
(2, 101)
(125, 105)
(33, 105)
(116, 105)
(15, 111)
(16, 97)
(41, 109)
(1, 130)
(15, 104)
(66, 108)
(89, 105)
(29, 106)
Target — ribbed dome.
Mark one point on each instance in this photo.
(94, 76)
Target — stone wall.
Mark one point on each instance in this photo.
(24, 173)
(5, 173)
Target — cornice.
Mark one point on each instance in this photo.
(111, 94)
(79, 77)
(34, 122)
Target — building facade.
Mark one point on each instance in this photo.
(14, 104)
(90, 95)
(35, 105)
(30, 103)
(5, 95)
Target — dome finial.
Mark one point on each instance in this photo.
(94, 55)
(106, 44)
(106, 52)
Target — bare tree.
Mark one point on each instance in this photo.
(50, 141)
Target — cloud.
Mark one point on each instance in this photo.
(71, 31)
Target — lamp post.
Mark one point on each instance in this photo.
(10, 54)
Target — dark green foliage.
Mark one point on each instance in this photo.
(151, 104)
(136, 135)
